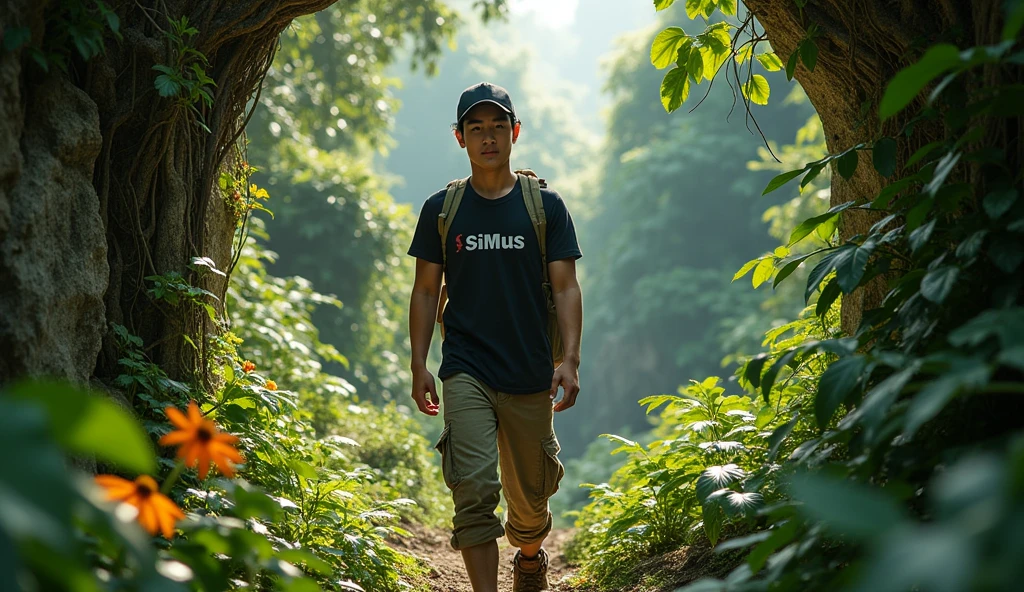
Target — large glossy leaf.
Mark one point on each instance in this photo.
(835, 385)
(666, 46)
(964, 375)
(674, 89)
(781, 180)
(1007, 324)
(938, 283)
(757, 90)
(883, 156)
(717, 477)
(91, 425)
(907, 83)
(845, 506)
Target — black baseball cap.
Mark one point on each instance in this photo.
(484, 92)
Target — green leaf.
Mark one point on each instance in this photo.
(908, 82)
(791, 64)
(717, 477)
(850, 271)
(883, 156)
(166, 86)
(779, 436)
(828, 296)
(15, 37)
(91, 425)
(965, 375)
(1006, 324)
(847, 164)
(825, 267)
(1006, 252)
(1014, 20)
(782, 179)
(744, 53)
(812, 173)
(660, 5)
(809, 54)
(752, 372)
(770, 61)
(693, 8)
(768, 380)
(695, 66)
(756, 89)
(303, 469)
(666, 46)
(746, 504)
(835, 385)
(713, 517)
(674, 89)
(938, 283)
(809, 225)
(763, 272)
(745, 269)
(942, 170)
(728, 7)
(998, 203)
(847, 507)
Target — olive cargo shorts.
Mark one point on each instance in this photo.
(482, 428)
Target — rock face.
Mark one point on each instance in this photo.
(53, 250)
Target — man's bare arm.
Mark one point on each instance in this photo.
(426, 291)
(568, 297)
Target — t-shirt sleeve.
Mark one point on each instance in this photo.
(426, 241)
(561, 233)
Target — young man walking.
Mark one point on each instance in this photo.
(498, 373)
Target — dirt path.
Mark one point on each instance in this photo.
(447, 573)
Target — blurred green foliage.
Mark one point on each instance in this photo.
(896, 463)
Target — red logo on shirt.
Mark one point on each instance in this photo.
(458, 243)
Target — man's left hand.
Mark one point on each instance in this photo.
(568, 377)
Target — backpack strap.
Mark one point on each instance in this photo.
(452, 199)
(535, 206)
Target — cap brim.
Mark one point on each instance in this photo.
(470, 108)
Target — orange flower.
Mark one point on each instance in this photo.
(201, 442)
(157, 513)
(248, 366)
(271, 385)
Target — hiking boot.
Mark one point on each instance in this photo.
(530, 575)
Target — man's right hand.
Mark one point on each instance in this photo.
(422, 384)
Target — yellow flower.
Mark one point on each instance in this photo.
(271, 385)
(200, 442)
(157, 513)
(248, 366)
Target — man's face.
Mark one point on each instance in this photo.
(488, 135)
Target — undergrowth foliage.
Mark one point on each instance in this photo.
(326, 480)
(893, 459)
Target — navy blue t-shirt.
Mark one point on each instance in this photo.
(496, 318)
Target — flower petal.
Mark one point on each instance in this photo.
(177, 437)
(225, 467)
(177, 418)
(226, 451)
(189, 453)
(148, 518)
(193, 414)
(204, 461)
(116, 487)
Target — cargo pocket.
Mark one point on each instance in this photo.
(552, 471)
(444, 446)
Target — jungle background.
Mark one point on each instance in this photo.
(212, 204)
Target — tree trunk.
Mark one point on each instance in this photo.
(156, 175)
(153, 191)
(862, 44)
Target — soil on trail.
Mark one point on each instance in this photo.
(446, 572)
